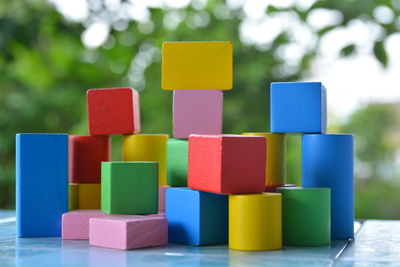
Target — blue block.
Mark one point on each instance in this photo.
(42, 183)
(327, 161)
(196, 217)
(298, 107)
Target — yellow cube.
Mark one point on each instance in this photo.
(84, 196)
(147, 147)
(255, 221)
(275, 166)
(197, 65)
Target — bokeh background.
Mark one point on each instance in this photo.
(52, 51)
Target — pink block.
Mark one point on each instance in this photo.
(159, 214)
(197, 112)
(75, 224)
(128, 232)
(161, 197)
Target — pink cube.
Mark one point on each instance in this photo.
(161, 197)
(75, 224)
(197, 112)
(128, 232)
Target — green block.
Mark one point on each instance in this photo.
(129, 187)
(306, 216)
(177, 162)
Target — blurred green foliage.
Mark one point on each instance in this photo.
(45, 71)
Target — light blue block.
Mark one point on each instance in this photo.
(298, 107)
(42, 183)
(196, 217)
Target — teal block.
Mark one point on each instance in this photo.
(177, 162)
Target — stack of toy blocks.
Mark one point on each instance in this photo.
(324, 208)
(214, 188)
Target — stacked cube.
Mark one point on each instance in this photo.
(214, 188)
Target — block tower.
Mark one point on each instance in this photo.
(327, 159)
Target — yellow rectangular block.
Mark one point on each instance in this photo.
(84, 196)
(147, 147)
(197, 65)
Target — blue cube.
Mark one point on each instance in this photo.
(298, 107)
(196, 217)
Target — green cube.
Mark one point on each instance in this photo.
(129, 187)
(177, 162)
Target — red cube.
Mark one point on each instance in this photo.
(113, 111)
(229, 164)
(85, 156)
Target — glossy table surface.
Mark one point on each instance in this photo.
(376, 243)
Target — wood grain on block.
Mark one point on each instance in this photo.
(197, 112)
(84, 196)
(128, 232)
(113, 111)
(229, 164)
(161, 197)
(85, 156)
(75, 224)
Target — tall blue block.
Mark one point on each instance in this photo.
(42, 183)
(298, 107)
(327, 161)
(196, 217)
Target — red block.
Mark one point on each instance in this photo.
(85, 156)
(229, 164)
(113, 111)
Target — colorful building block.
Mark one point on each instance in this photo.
(274, 188)
(41, 183)
(229, 164)
(84, 196)
(298, 107)
(275, 165)
(113, 111)
(306, 216)
(197, 65)
(128, 232)
(327, 161)
(255, 221)
(85, 156)
(129, 187)
(147, 147)
(75, 224)
(177, 162)
(161, 198)
(195, 217)
(197, 112)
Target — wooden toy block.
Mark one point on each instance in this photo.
(161, 197)
(327, 161)
(159, 214)
(147, 147)
(128, 232)
(197, 65)
(195, 217)
(41, 183)
(197, 112)
(274, 188)
(85, 156)
(113, 111)
(255, 221)
(177, 162)
(75, 224)
(275, 165)
(306, 216)
(229, 164)
(129, 187)
(298, 107)
(84, 196)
